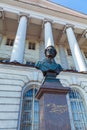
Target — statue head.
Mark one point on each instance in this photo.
(50, 52)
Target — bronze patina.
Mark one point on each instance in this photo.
(49, 64)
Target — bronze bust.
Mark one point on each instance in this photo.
(49, 64)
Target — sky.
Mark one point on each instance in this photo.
(78, 5)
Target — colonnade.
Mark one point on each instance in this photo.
(19, 44)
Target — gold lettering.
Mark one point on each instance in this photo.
(55, 108)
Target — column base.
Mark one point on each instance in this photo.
(15, 62)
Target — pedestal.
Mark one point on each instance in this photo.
(53, 105)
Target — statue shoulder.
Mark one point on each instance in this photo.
(39, 63)
(59, 66)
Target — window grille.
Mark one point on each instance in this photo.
(9, 42)
(78, 110)
(30, 112)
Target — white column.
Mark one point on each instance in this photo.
(48, 34)
(63, 57)
(19, 43)
(75, 50)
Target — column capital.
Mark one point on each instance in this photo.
(23, 14)
(84, 33)
(47, 20)
(68, 26)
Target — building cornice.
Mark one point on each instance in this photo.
(45, 7)
(40, 13)
(53, 6)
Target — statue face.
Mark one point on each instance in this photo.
(50, 52)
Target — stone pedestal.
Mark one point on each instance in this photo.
(53, 105)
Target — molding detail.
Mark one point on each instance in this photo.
(74, 80)
(67, 26)
(47, 20)
(83, 84)
(64, 82)
(84, 33)
(23, 14)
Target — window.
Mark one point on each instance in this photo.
(85, 53)
(78, 110)
(30, 63)
(31, 46)
(30, 112)
(69, 52)
(4, 60)
(10, 42)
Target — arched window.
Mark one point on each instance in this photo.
(30, 111)
(78, 110)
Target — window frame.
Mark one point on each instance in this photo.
(9, 42)
(31, 45)
(32, 111)
(85, 53)
(78, 113)
(69, 52)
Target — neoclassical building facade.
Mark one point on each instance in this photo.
(27, 27)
